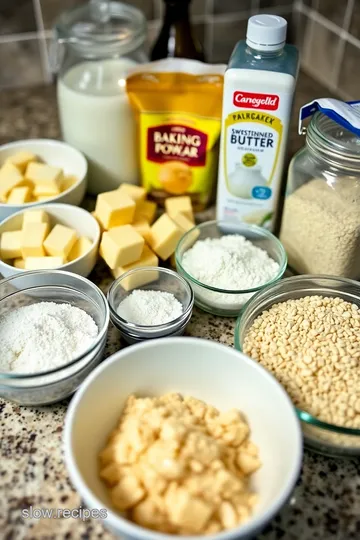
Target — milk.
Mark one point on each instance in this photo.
(96, 118)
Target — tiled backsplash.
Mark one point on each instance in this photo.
(328, 35)
(25, 30)
(326, 31)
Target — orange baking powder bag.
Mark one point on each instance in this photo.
(177, 105)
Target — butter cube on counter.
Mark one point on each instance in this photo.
(143, 228)
(81, 246)
(19, 263)
(35, 216)
(182, 221)
(114, 208)
(165, 234)
(19, 195)
(21, 160)
(10, 244)
(148, 258)
(121, 245)
(33, 237)
(186, 226)
(10, 178)
(137, 193)
(47, 179)
(145, 210)
(179, 205)
(60, 241)
(43, 263)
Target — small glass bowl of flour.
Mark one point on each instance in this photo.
(53, 328)
(150, 302)
(226, 263)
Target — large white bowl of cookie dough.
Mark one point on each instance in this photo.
(216, 374)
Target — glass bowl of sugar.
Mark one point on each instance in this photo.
(226, 263)
(53, 328)
(150, 302)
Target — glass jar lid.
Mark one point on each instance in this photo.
(333, 142)
(102, 28)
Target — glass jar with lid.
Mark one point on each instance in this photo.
(321, 221)
(96, 45)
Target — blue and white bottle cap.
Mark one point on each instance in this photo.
(266, 32)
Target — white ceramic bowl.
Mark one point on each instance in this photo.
(58, 154)
(209, 371)
(65, 214)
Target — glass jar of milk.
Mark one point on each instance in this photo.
(96, 46)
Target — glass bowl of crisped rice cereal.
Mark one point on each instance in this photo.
(306, 331)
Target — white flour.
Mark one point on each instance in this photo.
(149, 308)
(44, 336)
(230, 262)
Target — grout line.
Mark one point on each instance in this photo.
(49, 34)
(320, 19)
(338, 60)
(348, 14)
(209, 8)
(230, 17)
(25, 36)
(309, 29)
(279, 10)
(42, 41)
(199, 18)
(331, 82)
(255, 6)
(340, 32)
(240, 16)
(209, 29)
(351, 39)
(341, 47)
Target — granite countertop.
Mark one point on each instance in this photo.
(326, 502)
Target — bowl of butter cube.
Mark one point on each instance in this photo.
(49, 237)
(37, 171)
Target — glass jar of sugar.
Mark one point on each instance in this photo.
(321, 221)
(96, 45)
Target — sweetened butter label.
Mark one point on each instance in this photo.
(181, 142)
(252, 151)
(252, 145)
